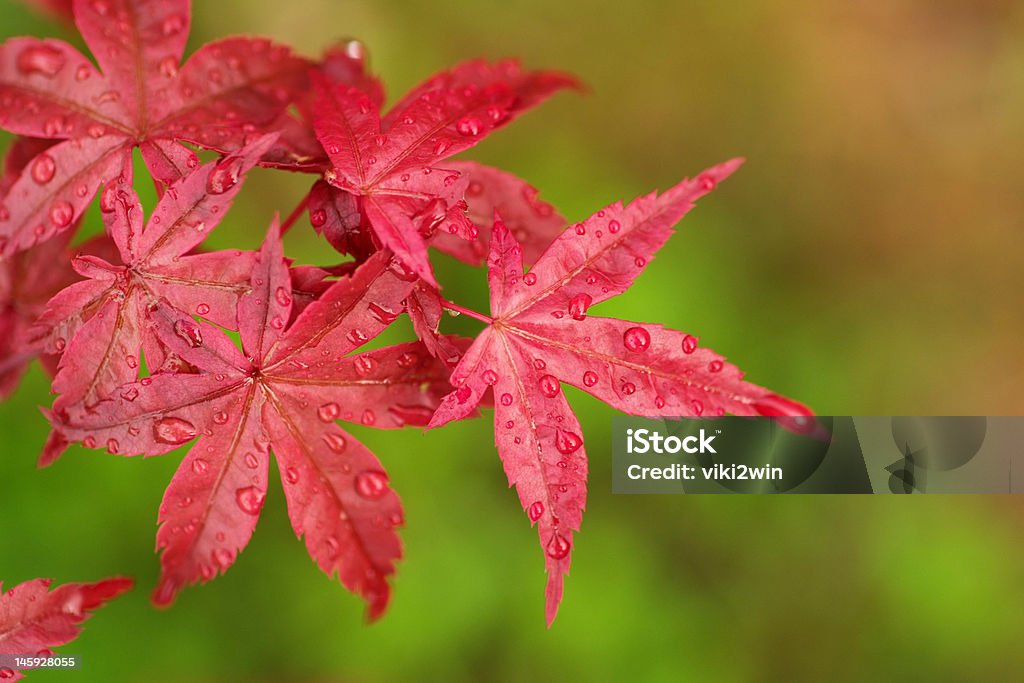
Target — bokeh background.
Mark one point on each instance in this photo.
(867, 260)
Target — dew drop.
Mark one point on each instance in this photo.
(369, 417)
(659, 402)
(440, 148)
(589, 378)
(173, 431)
(614, 226)
(628, 388)
(549, 386)
(364, 365)
(408, 360)
(336, 442)
(636, 339)
(640, 262)
(530, 279)
(113, 446)
(220, 417)
(578, 306)
(318, 218)
(43, 169)
(356, 337)
(328, 412)
(381, 314)
(168, 67)
(535, 511)
(40, 59)
(371, 484)
(468, 126)
(689, 344)
(188, 331)
(558, 547)
(223, 557)
(581, 229)
(130, 393)
(172, 25)
(506, 400)
(567, 442)
(249, 499)
(224, 176)
(490, 376)
(251, 461)
(53, 126)
(89, 442)
(698, 407)
(291, 475)
(715, 366)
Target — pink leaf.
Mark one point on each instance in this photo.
(34, 619)
(289, 386)
(394, 166)
(542, 336)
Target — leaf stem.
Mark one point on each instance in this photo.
(294, 215)
(448, 305)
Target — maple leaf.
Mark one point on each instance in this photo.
(225, 93)
(33, 620)
(103, 316)
(390, 164)
(283, 394)
(540, 336)
(30, 278)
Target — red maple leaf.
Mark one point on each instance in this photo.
(226, 92)
(284, 393)
(33, 620)
(99, 323)
(388, 166)
(540, 335)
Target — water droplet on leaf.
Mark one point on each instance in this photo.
(173, 431)
(371, 484)
(249, 499)
(636, 339)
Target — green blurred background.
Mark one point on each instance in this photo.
(867, 260)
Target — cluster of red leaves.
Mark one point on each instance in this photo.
(33, 620)
(137, 318)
